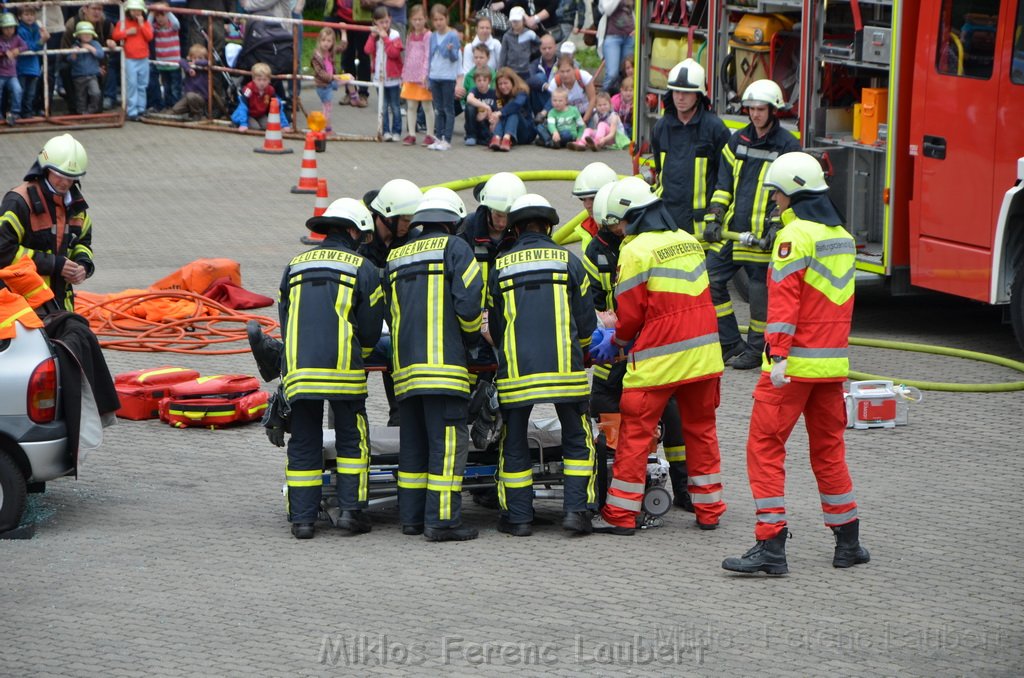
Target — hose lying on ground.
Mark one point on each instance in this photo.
(200, 331)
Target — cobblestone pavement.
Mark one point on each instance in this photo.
(170, 555)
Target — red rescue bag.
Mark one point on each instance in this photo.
(140, 391)
(217, 385)
(213, 412)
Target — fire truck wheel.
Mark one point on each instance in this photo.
(1017, 304)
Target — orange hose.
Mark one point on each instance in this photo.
(118, 329)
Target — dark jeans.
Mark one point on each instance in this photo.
(521, 129)
(721, 269)
(164, 88)
(392, 110)
(88, 97)
(29, 91)
(443, 92)
(477, 129)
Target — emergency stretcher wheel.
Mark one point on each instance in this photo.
(657, 501)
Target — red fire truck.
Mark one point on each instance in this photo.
(916, 107)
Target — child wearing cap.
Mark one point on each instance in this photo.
(85, 69)
(518, 44)
(11, 45)
(136, 33)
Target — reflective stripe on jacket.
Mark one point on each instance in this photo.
(331, 310)
(436, 297)
(664, 304)
(740, 187)
(686, 156)
(810, 299)
(541, 321)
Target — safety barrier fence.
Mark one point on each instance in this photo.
(116, 117)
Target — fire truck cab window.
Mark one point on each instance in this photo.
(1017, 59)
(967, 38)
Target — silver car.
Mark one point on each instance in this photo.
(33, 436)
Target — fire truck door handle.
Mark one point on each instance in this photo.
(934, 147)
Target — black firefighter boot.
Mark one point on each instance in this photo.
(680, 495)
(849, 552)
(768, 556)
(266, 351)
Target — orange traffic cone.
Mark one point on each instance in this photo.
(272, 139)
(319, 207)
(307, 175)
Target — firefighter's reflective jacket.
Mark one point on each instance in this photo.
(686, 158)
(601, 261)
(740, 189)
(36, 222)
(435, 295)
(331, 310)
(541, 320)
(810, 292)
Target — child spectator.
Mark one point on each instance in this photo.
(165, 80)
(622, 104)
(512, 121)
(483, 36)
(444, 69)
(197, 83)
(136, 34)
(415, 71)
(579, 83)
(253, 108)
(322, 63)
(518, 44)
(11, 45)
(603, 128)
(29, 67)
(85, 69)
(481, 55)
(564, 123)
(481, 101)
(384, 45)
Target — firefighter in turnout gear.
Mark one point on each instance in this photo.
(45, 218)
(392, 208)
(330, 286)
(810, 308)
(590, 179)
(542, 319)
(666, 317)
(486, 230)
(687, 145)
(742, 203)
(601, 261)
(435, 296)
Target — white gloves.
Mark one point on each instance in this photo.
(778, 375)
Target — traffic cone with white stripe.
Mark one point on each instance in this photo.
(272, 140)
(307, 174)
(319, 207)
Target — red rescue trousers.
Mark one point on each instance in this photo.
(641, 410)
(776, 411)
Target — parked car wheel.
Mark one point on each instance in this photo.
(12, 493)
